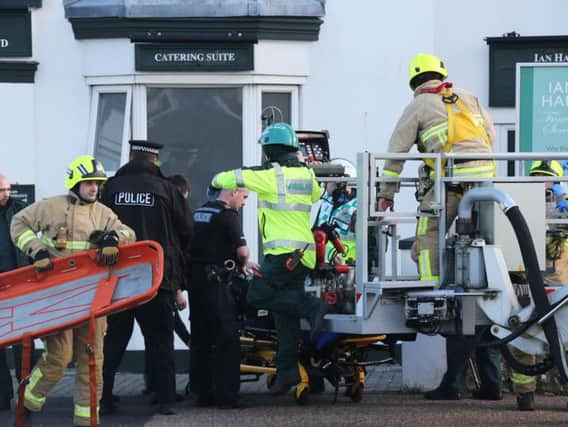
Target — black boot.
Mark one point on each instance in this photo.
(441, 393)
(525, 401)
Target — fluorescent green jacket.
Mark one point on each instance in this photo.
(285, 198)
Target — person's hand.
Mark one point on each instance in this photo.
(562, 206)
(108, 250)
(414, 252)
(384, 204)
(558, 190)
(251, 267)
(42, 262)
(181, 301)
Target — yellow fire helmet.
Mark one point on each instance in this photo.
(424, 63)
(546, 167)
(84, 168)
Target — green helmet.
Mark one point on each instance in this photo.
(279, 134)
(84, 168)
(546, 167)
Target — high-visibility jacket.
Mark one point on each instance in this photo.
(36, 227)
(285, 198)
(425, 123)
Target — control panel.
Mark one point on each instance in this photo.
(314, 145)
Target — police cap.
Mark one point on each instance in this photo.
(145, 146)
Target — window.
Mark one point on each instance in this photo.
(276, 107)
(111, 110)
(201, 129)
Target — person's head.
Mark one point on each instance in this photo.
(424, 67)
(5, 188)
(84, 177)
(234, 198)
(342, 191)
(182, 184)
(547, 168)
(144, 150)
(279, 142)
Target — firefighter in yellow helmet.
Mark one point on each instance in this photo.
(440, 118)
(58, 226)
(556, 272)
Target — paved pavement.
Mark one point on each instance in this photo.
(383, 404)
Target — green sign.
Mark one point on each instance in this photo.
(194, 57)
(543, 107)
(15, 33)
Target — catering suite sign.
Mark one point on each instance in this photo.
(194, 57)
(15, 33)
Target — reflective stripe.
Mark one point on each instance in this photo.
(284, 206)
(280, 184)
(519, 378)
(28, 395)
(422, 226)
(72, 245)
(299, 186)
(387, 172)
(83, 411)
(292, 244)
(440, 131)
(478, 119)
(25, 238)
(424, 264)
(207, 209)
(474, 172)
(126, 234)
(239, 178)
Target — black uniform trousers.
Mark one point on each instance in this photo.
(458, 352)
(6, 389)
(215, 345)
(156, 320)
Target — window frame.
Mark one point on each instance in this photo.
(96, 93)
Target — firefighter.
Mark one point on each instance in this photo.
(440, 118)
(149, 203)
(556, 273)
(69, 223)
(286, 189)
(339, 209)
(219, 253)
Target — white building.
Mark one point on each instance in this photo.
(108, 71)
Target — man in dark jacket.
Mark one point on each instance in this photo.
(10, 258)
(156, 210)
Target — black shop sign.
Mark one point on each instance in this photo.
(15, 33)
(194, 57)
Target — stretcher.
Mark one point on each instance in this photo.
(77, 290)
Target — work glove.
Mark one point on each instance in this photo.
(562, 206)
(42, 262)
(108, 249)
(558, 190)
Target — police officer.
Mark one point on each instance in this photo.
(144, 199)
(58, 226)
(218, 253)
(286, 189)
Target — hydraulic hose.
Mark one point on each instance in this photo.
(528, 252)
(536, 284)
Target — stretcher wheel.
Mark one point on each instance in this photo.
(270, 378)
(301, 394)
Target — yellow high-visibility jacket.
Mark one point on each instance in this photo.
(285, 198)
